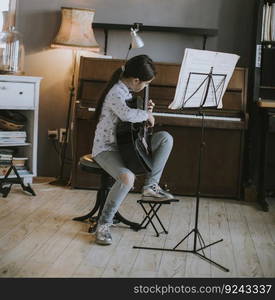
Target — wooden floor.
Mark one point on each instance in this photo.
(39, 239)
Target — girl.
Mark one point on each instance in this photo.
(137, 73)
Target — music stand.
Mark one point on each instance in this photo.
(209, 81)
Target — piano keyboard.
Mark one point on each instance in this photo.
(189, 116)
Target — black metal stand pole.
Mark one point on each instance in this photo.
(195, 230)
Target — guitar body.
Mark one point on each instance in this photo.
(134, 143)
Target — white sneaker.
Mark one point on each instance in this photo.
(155, 192)
(103, 234)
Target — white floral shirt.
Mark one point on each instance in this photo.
(114, 109)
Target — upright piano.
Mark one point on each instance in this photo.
(223, 155)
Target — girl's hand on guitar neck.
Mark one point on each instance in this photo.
(150, 106)
(150, 120)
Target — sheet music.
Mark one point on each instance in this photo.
(201, 61)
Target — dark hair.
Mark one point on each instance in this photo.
(140, 66)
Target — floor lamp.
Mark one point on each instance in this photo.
(75, 33)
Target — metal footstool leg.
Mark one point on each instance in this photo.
(152, 212)
(149, 215)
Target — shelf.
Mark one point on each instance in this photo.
(266, 43)
(18, 107)
(185, 30)
(203, 32)
(267, 87)
(16, 145)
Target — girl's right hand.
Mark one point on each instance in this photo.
(151, 120)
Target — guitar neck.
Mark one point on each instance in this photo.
(146, 98)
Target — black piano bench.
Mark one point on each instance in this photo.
(154, 206)
(87, 164)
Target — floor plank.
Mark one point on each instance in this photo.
(270, 218)
(16, 233)
(222, 252)
(262, 239)
(246, 258)
(39, 239)
(39, 227)
(40, 261)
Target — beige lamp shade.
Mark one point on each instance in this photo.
(6, 21)
(76, 30)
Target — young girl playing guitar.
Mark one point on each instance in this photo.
(137, 73)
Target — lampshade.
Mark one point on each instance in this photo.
(6, 20)
(76, 30)
(136, 42)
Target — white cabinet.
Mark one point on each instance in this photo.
(21, 94)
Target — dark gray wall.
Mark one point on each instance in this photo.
(38, 21)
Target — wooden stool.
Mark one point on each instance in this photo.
(87, 164)
(152, 212)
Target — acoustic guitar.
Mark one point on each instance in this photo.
(134, 140)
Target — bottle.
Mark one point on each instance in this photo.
(11, 52)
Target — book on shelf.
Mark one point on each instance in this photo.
(12, 140)
(273, 22)
(13, 133)
(2, 155)
(5, 158)
(268, 22)
(263, 23)
(21, 171)
(19, 161)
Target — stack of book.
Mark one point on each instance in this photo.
(6, 160)
(20, 164)
(5, 163)
(268, 24)
(13, 137)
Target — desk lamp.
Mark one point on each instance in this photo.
(136, 41)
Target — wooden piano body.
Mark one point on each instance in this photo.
(222, 169)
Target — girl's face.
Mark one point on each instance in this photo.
(138, 85)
